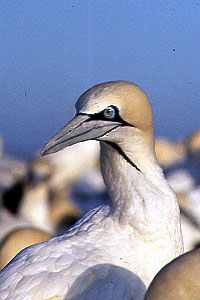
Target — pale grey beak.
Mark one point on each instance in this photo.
(80, 128)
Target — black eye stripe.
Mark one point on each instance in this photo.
(100, 116)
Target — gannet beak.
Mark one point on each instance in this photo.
(80, 128)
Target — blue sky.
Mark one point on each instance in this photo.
(52, 51)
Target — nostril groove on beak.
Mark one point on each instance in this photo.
(72, 128)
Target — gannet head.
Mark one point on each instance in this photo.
(114, 112)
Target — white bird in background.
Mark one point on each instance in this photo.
(34, 206)
(46, 208)
(110, 253)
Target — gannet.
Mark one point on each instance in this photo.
(17, 240)
(62, 211)
(10, 222)
(34, 206)
(41, 204)
(110, 253)
(169, 153)
(177, 280)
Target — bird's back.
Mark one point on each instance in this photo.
(77, 265)
(54, 263)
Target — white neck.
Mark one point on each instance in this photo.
(141, 199)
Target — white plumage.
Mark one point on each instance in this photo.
(19, 239)
(110, 253)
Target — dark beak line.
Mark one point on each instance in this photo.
(81, 128)
(71, 138)
(107, 131)
(75, 127)
(42, 154)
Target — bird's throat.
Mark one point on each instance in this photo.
(121, 152)
(136, 193)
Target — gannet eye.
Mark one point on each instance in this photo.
(109, 112)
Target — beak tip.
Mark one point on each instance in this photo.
(77, 130)
(44, 150)
(42, 153)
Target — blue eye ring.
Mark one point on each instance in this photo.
(109, 113)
